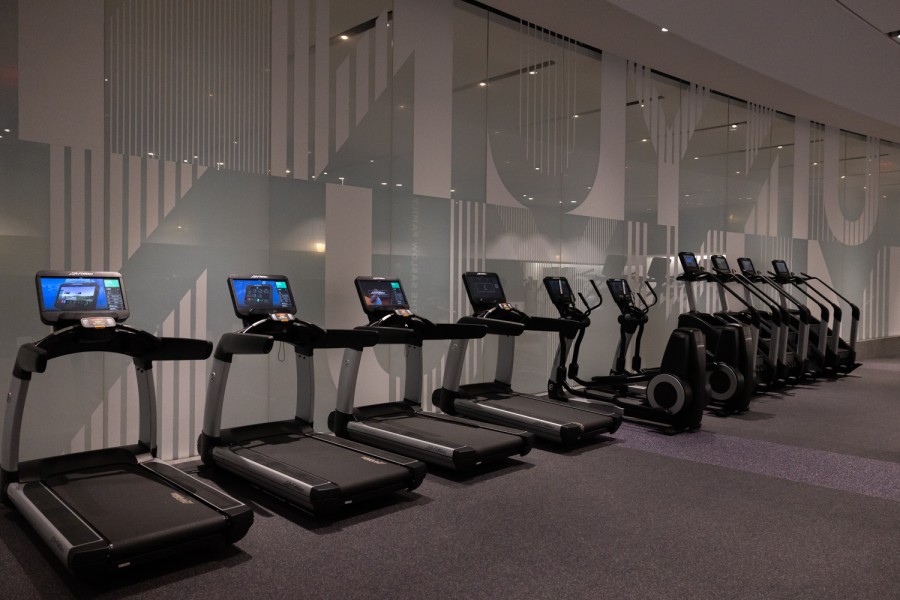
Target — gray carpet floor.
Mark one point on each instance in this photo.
(799, 498)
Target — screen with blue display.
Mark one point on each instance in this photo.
(261, 295)
(379, 295)
(72, 295)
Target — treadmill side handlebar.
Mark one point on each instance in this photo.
(495, 326)
(348, 338)
(30, 359)
(180, 349)
(455, 331)
(566, 327)
(243, 343)
(393, 335)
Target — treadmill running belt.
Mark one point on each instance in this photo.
(450, 434)
(550, 411)
(133, 510)
(351, 470)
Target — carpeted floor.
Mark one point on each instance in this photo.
(800, 498)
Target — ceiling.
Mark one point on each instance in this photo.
(830, 61)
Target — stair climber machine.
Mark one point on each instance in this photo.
(838, 356)
(730, 347)
(776, 366)
(102, 511)
(550, 419)
(440, 440)
(794, 342)
(672, 396)
(316, 471)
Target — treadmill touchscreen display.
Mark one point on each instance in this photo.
(559, 290)
(720, 263)
(484, 289)
(689, 262)
(746, 266)
(261, 295)
(379, 295)
(71, 295)
(780, 267)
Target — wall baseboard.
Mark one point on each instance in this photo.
(886, 347)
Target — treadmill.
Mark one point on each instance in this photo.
(496, 402)
(105, 510)
(441, 440)
(318, 472)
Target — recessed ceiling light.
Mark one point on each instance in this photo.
(664, 30)
(345, 37)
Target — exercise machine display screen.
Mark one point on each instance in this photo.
(619, 289)
(559, 290)
(720, 264)
(689, 262)
(69, 296)
(746, 266)
(261, 295)
(379, 295)
(484, 289)
(780, 267)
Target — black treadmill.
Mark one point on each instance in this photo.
(103, 510)
(318, 472)
(404, 427)
(495, 401)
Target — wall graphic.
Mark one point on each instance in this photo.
(180, 141)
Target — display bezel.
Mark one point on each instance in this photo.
(724, 268)
(242, 311)
(561, 294)
(480, 301)
(746, 266)
(780, 267)
(363, 293)
(47, 289)
(689, 269)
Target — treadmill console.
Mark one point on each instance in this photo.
(720, 264)
(484, 290)
(66, 297)
(689, 263)
(382, 296)
(746, 266)
(781, 268)
(261, 295)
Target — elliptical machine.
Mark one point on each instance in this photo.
(673, 396)
(730, 347)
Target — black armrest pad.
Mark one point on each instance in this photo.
(243, 343)
(393, 335)
(348, 338)
(454, 331)
(563, 326)
(181, 349)
(495, 326)
(31, 359)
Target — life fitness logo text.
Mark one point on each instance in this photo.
(373, 460)
(182, 499)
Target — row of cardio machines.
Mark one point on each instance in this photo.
(103, 511)
(795, 321)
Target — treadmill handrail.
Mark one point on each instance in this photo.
(495, 326)
(242, 343)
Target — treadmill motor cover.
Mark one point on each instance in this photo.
(69, 296)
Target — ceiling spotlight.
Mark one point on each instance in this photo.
(345, 37)
(895, 35)
(664, 29)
